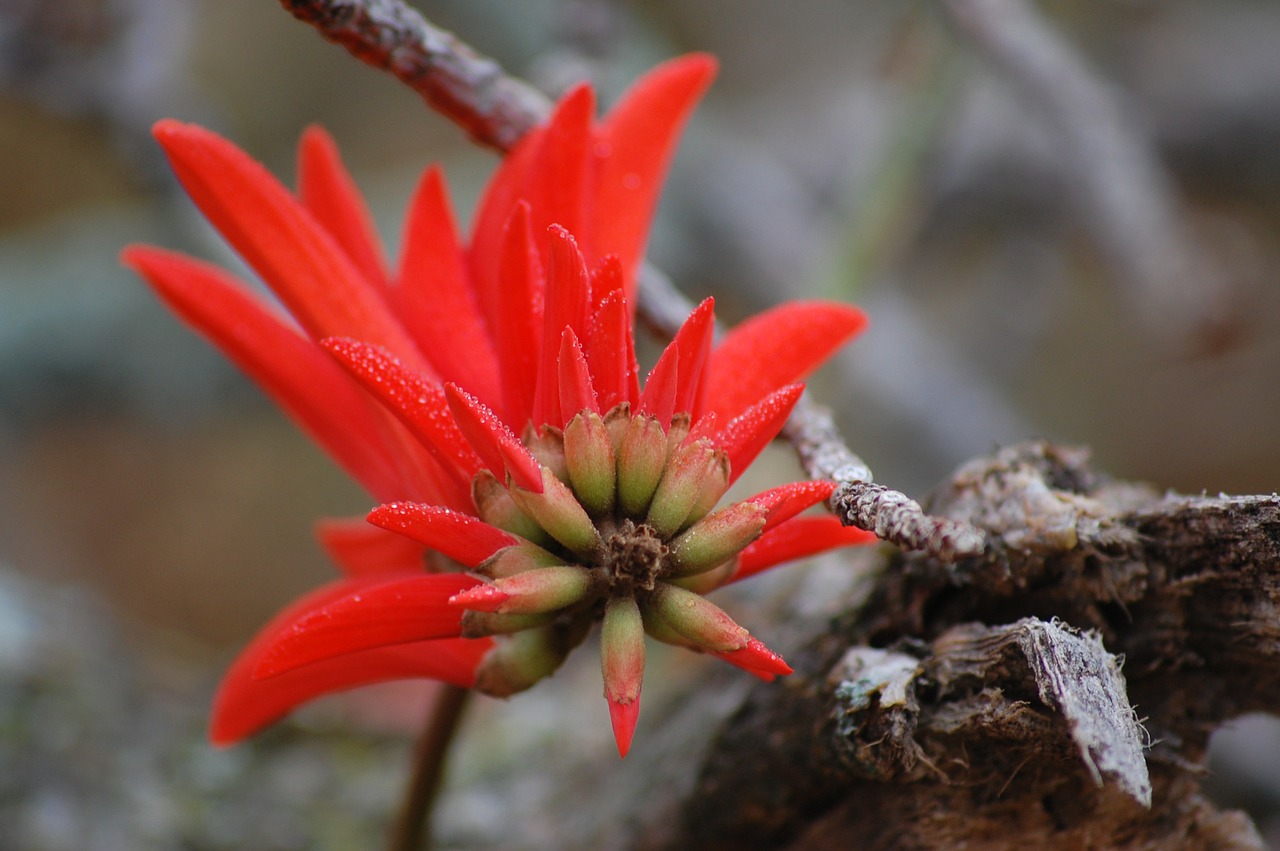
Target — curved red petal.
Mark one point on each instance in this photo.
(567, 303)
(611, 354)
(360, 614)
(746, 435)
(245, 704)
(658, 398)
(462, 537)
(518, 317)
(501, 451)
(576, 391)
(283, 242)
(296, 374)
(417, 402)
(798, 538)
(558, 185)
(777, 347)
(435, 294)
(633, 148)
(756, 659)
(364, 550)
(693, 341)
(327, 191)
(786, 501)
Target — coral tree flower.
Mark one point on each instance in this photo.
(488, 395)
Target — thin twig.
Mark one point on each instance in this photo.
(412, 831)
(469, 89)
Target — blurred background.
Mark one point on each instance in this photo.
(1061, 217)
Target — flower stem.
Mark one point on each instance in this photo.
(412, 830)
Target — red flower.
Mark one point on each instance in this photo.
(488, 394)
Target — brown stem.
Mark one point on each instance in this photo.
(412, 831)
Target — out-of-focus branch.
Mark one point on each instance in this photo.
(469, 89)
(1123, 192)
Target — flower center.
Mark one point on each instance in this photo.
(633, 558)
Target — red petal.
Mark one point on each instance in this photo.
(276, 235)
(245, 704)
(364, 550)
(360, 614)
(297, 375)
(501, 450)
(568, 298)
(633, 147)
(623, 717)
(775, 348)
(612, 354)
(328, 192)
(693, 341)
(746, 436)
(576, 392)
(436, 298)
(786, 501)
(417, 402)
(799, 537)
(659, 395)
(463, 538)
(558, 185)
(518, 317)
(758, 660)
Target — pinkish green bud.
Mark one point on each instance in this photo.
(589, 457)
(509, 561)
(479, 624)
(641, 459)
(617, 421)
(680, 487)
(547, 445)
(708, 581)
(697, 619)
(716, 538)
(558, 511)
(715, 482)
(679, 430)
(519, 661)
(659, 630)
(495, 506)
(529, 593)
(622, 663)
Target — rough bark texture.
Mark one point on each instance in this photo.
(984, 703)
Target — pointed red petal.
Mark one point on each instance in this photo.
(775, 348)
(435, 294)
(364, 550)
(612, 354)
(693, 341)
(786, 501)
(576, 392)
(568, 298)
(463, 538)
(558, 190)
(276, 235)
(797, 538)
(330, 195)
(501, 451)
(361, 614)
(623, 717)
(481, 598)
(633, 147)
(417, 402)
(758, 660)
(518, 317)
(659, 395)
(746, 436)
(245, 704)
(297, 376)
